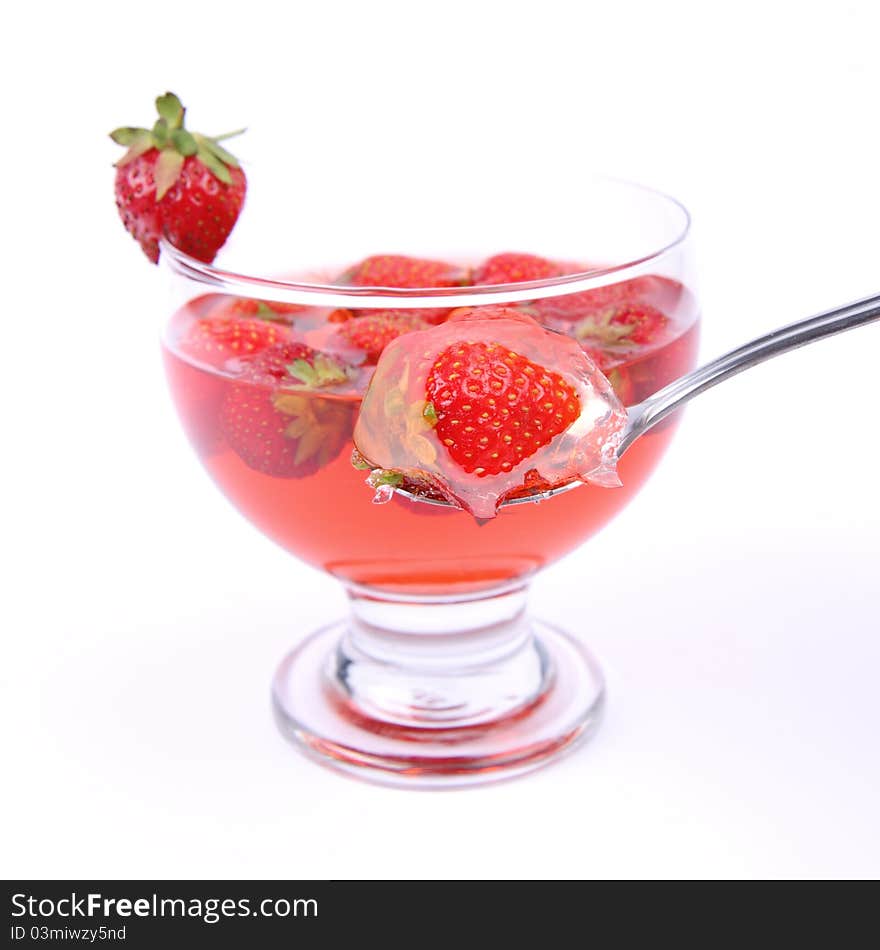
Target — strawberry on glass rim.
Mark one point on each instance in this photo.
(175, 184)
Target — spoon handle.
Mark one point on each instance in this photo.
(647, 414)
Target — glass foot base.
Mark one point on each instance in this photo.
(330, 724)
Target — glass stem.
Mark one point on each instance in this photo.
(439, 663)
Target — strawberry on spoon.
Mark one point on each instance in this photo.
(483, 406)
(177, 184)
(489, 426)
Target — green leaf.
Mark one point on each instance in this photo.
(214, 166)
(265, 312)
(217, 150)
(322, 371)
(135, 151)
(384, 477)
(138, 143)
(303, 371)
(168, 167)
(329, 371)
(184, 142)
(170, 109)
(429, 414)
(226, 135)
(127, 135)
(359, 462)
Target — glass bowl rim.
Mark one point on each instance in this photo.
(316, 294)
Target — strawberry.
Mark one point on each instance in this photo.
(621, 328)
(176, 184)
(638, 374)
(396, 270)
(285, 433)
(295, 364)
(372, 332)
(572, 307)
(493, 408)
(214, 340)
(272, 310)
(598, 346)
(414, 483)
(512, 268)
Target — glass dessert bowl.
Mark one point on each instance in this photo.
(438, 676)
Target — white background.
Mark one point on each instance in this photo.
(733, 605)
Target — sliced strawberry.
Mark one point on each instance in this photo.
(293, 431)
(372, 332)
(514, 268)
(215, 340)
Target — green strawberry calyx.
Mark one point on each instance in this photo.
(266, 312)
(312, 424)
(599, 326)
(321, 371)
(429, 414)
(359, 462)
(380, 478)
(175, 144)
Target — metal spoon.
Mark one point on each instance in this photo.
(645, 415)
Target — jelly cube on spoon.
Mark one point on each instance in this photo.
(488, 403)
